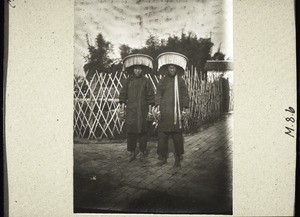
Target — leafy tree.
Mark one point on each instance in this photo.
(198, 50)
(125, 50)
(152, 43)
(98, 59)
(218, 55)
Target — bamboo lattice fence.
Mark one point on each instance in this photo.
(96, 103)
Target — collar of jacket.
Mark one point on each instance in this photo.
(136, 77)
(171, 76)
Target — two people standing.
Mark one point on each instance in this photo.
(170, 103)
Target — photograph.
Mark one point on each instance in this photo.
(150, 108)
(153, 106)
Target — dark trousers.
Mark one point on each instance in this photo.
(163, 138)
(132, 139)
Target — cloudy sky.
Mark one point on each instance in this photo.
(132, 21)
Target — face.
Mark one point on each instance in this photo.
(172, 70)
(137, 71)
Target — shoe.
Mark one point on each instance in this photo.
(163, 161)
(177, 161)
(132, 156)
(160, 157)
(142, 157)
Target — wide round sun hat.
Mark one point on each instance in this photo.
(137, 60)
(173, 58)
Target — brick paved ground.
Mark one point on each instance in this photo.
(105, 181)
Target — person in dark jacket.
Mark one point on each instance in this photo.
(138, 96)
(172, 102)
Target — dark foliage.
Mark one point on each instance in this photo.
(198, 51)
(98, 59)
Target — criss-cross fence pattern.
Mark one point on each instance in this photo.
(96, 106)
(96, 103)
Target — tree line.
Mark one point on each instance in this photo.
(198, 51)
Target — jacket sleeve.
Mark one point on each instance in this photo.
(184, 94)
(123, 97)
(149, 93)
(159, 92)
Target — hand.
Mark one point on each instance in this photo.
(150, 116)
(185, 114)
(157, 115)
(121, 115)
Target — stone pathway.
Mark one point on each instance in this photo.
(105, 181)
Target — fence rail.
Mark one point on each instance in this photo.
(96, 103)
